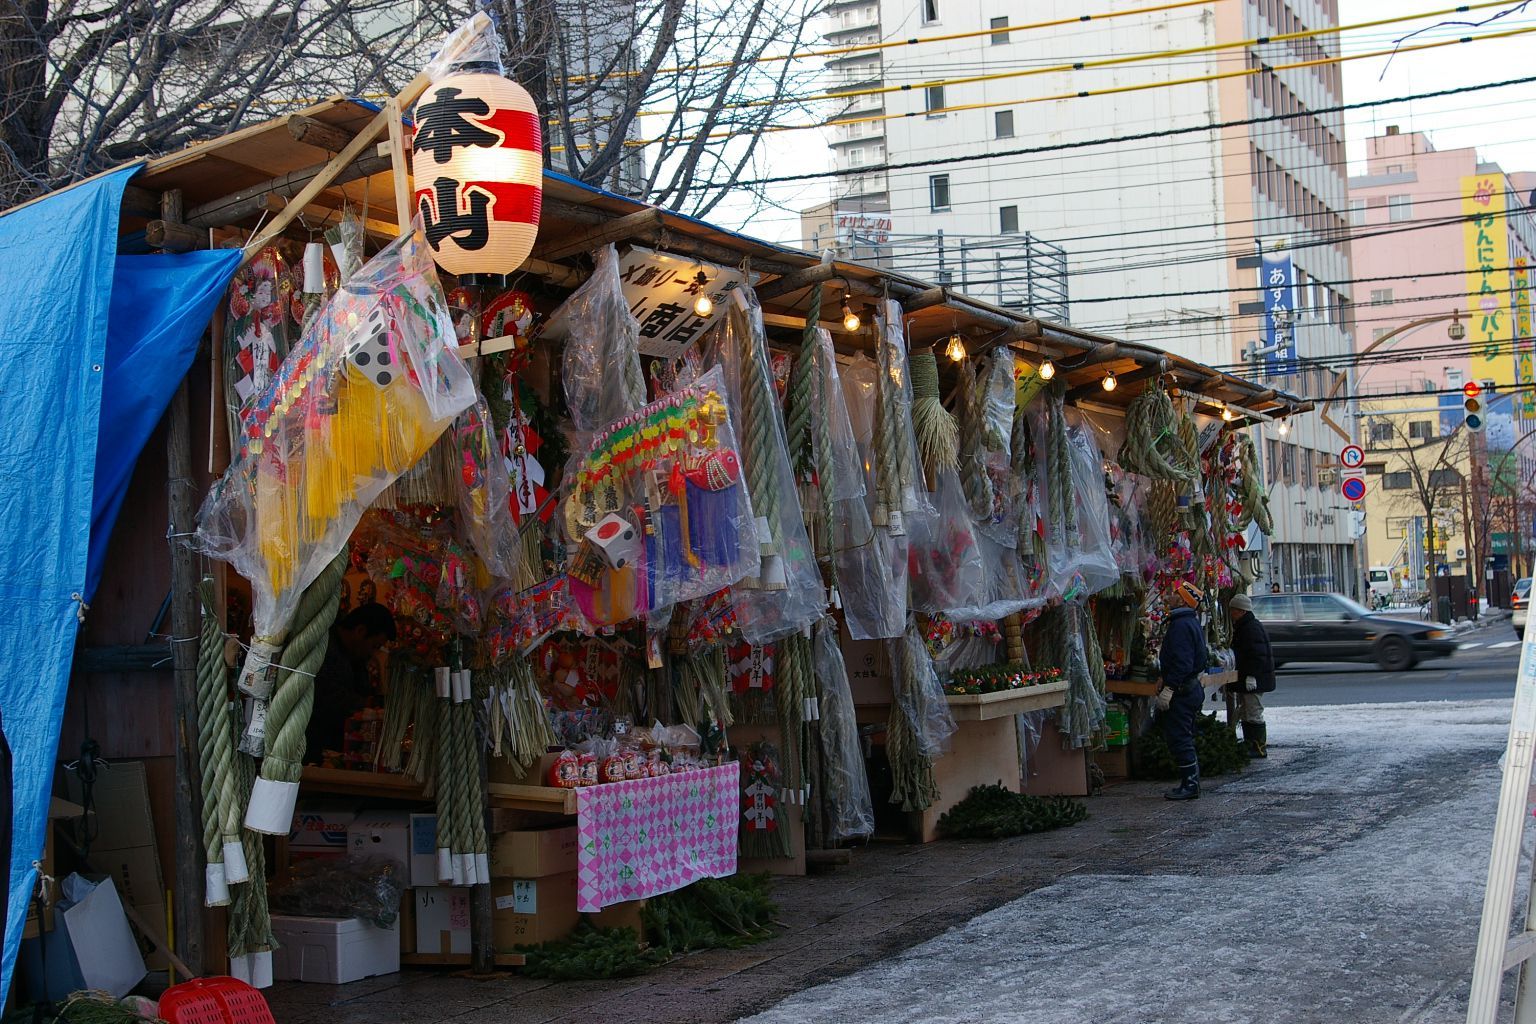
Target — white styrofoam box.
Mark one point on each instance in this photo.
(382, 834)
(423, 862)
(322, 825)
(332, 950)
(442, 920)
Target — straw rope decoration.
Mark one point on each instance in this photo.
(293, 695)
(794, 683)
(913, 786)
(449, 841)
(703, 672)
(889, 472)
(1251, 492)
(399, 709)
(1059, 471)
(797, 420)
(1162, 514)
(216, 750)
(758, 407)
(250, 923)
(1152, 445)
(827, 480)
(973, 471)
(938, 435)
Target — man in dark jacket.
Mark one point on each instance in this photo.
(1255, 672)
(1183, 658)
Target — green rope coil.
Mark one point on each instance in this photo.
(758, 414)
(973, 471)
(794, 681)
(215, 741)
(293, 696)
(802, 410)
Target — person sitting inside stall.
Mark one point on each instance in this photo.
(342, 686)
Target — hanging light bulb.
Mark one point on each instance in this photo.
(956, 349)
(1285, 427)
(1226, 413)
(1109, 383)
(1047, 370)
(703, 305)
(851, 321)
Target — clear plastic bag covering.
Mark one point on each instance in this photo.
(872, 576)
(484, 512)
(1008, 586)
(997, 396)
(786, 595)
(920, 694)
(601, 373)
(871, 597)
(1052, 478)
(850, 812)
(859, 381)
(374, 381)
(946, 566)
(658, 510)
(474, 43)
(1082, 715)
(367, 887)
(968, 652)
(1094, 558)
(901, 493)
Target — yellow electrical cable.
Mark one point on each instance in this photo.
(772, 129)
(1080, 65)
(842, 51)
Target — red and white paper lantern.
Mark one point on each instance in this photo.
(477, 160)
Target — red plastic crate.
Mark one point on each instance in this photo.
(214, 1001)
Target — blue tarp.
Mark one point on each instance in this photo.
(75, 359)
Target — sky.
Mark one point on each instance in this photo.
(1496, 121)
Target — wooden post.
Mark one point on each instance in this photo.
(400, 167)
(181, 505)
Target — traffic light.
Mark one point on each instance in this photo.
(1472, 403)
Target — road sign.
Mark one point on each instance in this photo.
(1352, 457)
(1353, 488)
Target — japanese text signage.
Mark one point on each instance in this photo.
(862, 228)
(1278, 281)
(661, 290)
(1525, 359)
(1485, 237)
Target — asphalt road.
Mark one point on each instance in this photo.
(1483, 669)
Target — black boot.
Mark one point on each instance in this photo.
(1189, 786)
(1256, 739)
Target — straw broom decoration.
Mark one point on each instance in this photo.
(938, 436)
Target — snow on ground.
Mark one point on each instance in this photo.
(1378, 929)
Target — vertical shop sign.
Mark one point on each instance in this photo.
(1279, 283)
(1485, 236)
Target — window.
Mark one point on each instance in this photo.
(1008, 219)
(1444, 478)
(1377, 333)
(1321, 608)
(856, 156)
(1397, 527)
(1357, 211)
(1002, 121)
(1399, 207)
(1274, 608)
(1288, 463)
(1271, 461)
(1381, 433)
(935, 99)
(1381, 296)
(1402, 480)
(1421, 430)
(930, 11)
(1394, 168)
(938, 192)
(999, 38)
(1308, 465)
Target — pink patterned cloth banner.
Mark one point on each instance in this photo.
(650, 836)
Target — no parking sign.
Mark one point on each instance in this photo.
(1353, 488)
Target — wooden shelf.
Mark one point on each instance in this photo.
(344, 782)
(549, 799)
(1128, 688)
(983, 707)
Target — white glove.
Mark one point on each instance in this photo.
(1252, 685)
(1164, 698)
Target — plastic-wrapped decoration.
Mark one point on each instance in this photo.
(919, 693)
(850, 812)
(1094, 558)
(946, 564)
(485, 514)
(601, 374)
(371, 385)
(901, 492)
(872, 576)
(786, 594)
(657, 508)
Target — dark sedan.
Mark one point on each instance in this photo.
(1331, 627)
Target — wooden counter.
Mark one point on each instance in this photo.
(983, 707)
(388, 786)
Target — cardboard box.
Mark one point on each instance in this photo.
(383, 835)
(534, 853)
(532, 911)
(423, 863)
(137, 874)
(499, 769)
(322, 825)
(869, 671)
(442, 920)
(59, 812)
(120, 798)
(621, 915)
(332, 951)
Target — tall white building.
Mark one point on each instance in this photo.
(1163, 236)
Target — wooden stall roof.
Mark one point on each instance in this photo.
(241, 179)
